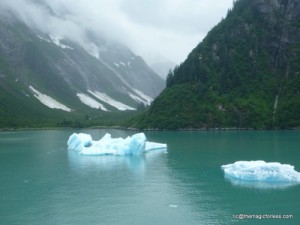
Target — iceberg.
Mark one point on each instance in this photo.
(261, 171)
(132, 145)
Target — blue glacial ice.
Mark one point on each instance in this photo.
(132, 145)
(261, 171)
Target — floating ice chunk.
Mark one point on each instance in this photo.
(80, 141)
(134, 145)
(261, 171)
(260, 184)
(153, 145)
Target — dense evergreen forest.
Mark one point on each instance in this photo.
(244, 74)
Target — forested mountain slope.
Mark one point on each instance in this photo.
(244, 74)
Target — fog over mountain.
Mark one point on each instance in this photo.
(170, 28)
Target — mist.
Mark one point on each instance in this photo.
(170, 28)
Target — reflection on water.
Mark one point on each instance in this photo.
(136, 164)
(260, 184)
(43, 181)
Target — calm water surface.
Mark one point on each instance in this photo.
(42, 183)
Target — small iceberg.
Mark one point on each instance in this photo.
(132, 145)
(261, 171)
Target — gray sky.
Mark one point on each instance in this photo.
(171, 28)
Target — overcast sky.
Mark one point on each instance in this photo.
(171, 28)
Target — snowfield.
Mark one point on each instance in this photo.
(114, 103)
(48, 101)
(85, 99)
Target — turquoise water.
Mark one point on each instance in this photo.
(42, 183)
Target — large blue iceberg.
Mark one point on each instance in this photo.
(132, 145)
(261, 171)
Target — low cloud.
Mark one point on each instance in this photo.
(171, 28)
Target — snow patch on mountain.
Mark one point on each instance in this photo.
(123, 64)
(142, 97)
(109, 100)
(93, 50)
(48, 101)
(128, 64)
(43, 39)
(137, 98)
(56, 40)
(85, 99)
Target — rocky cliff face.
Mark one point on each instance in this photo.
(281, 19)
(282, 16)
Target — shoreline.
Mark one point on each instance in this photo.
(147, 129)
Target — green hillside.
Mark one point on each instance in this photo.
(244, 74)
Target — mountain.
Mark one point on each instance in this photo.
(244, 74)
(159, 64)
(43, 75)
